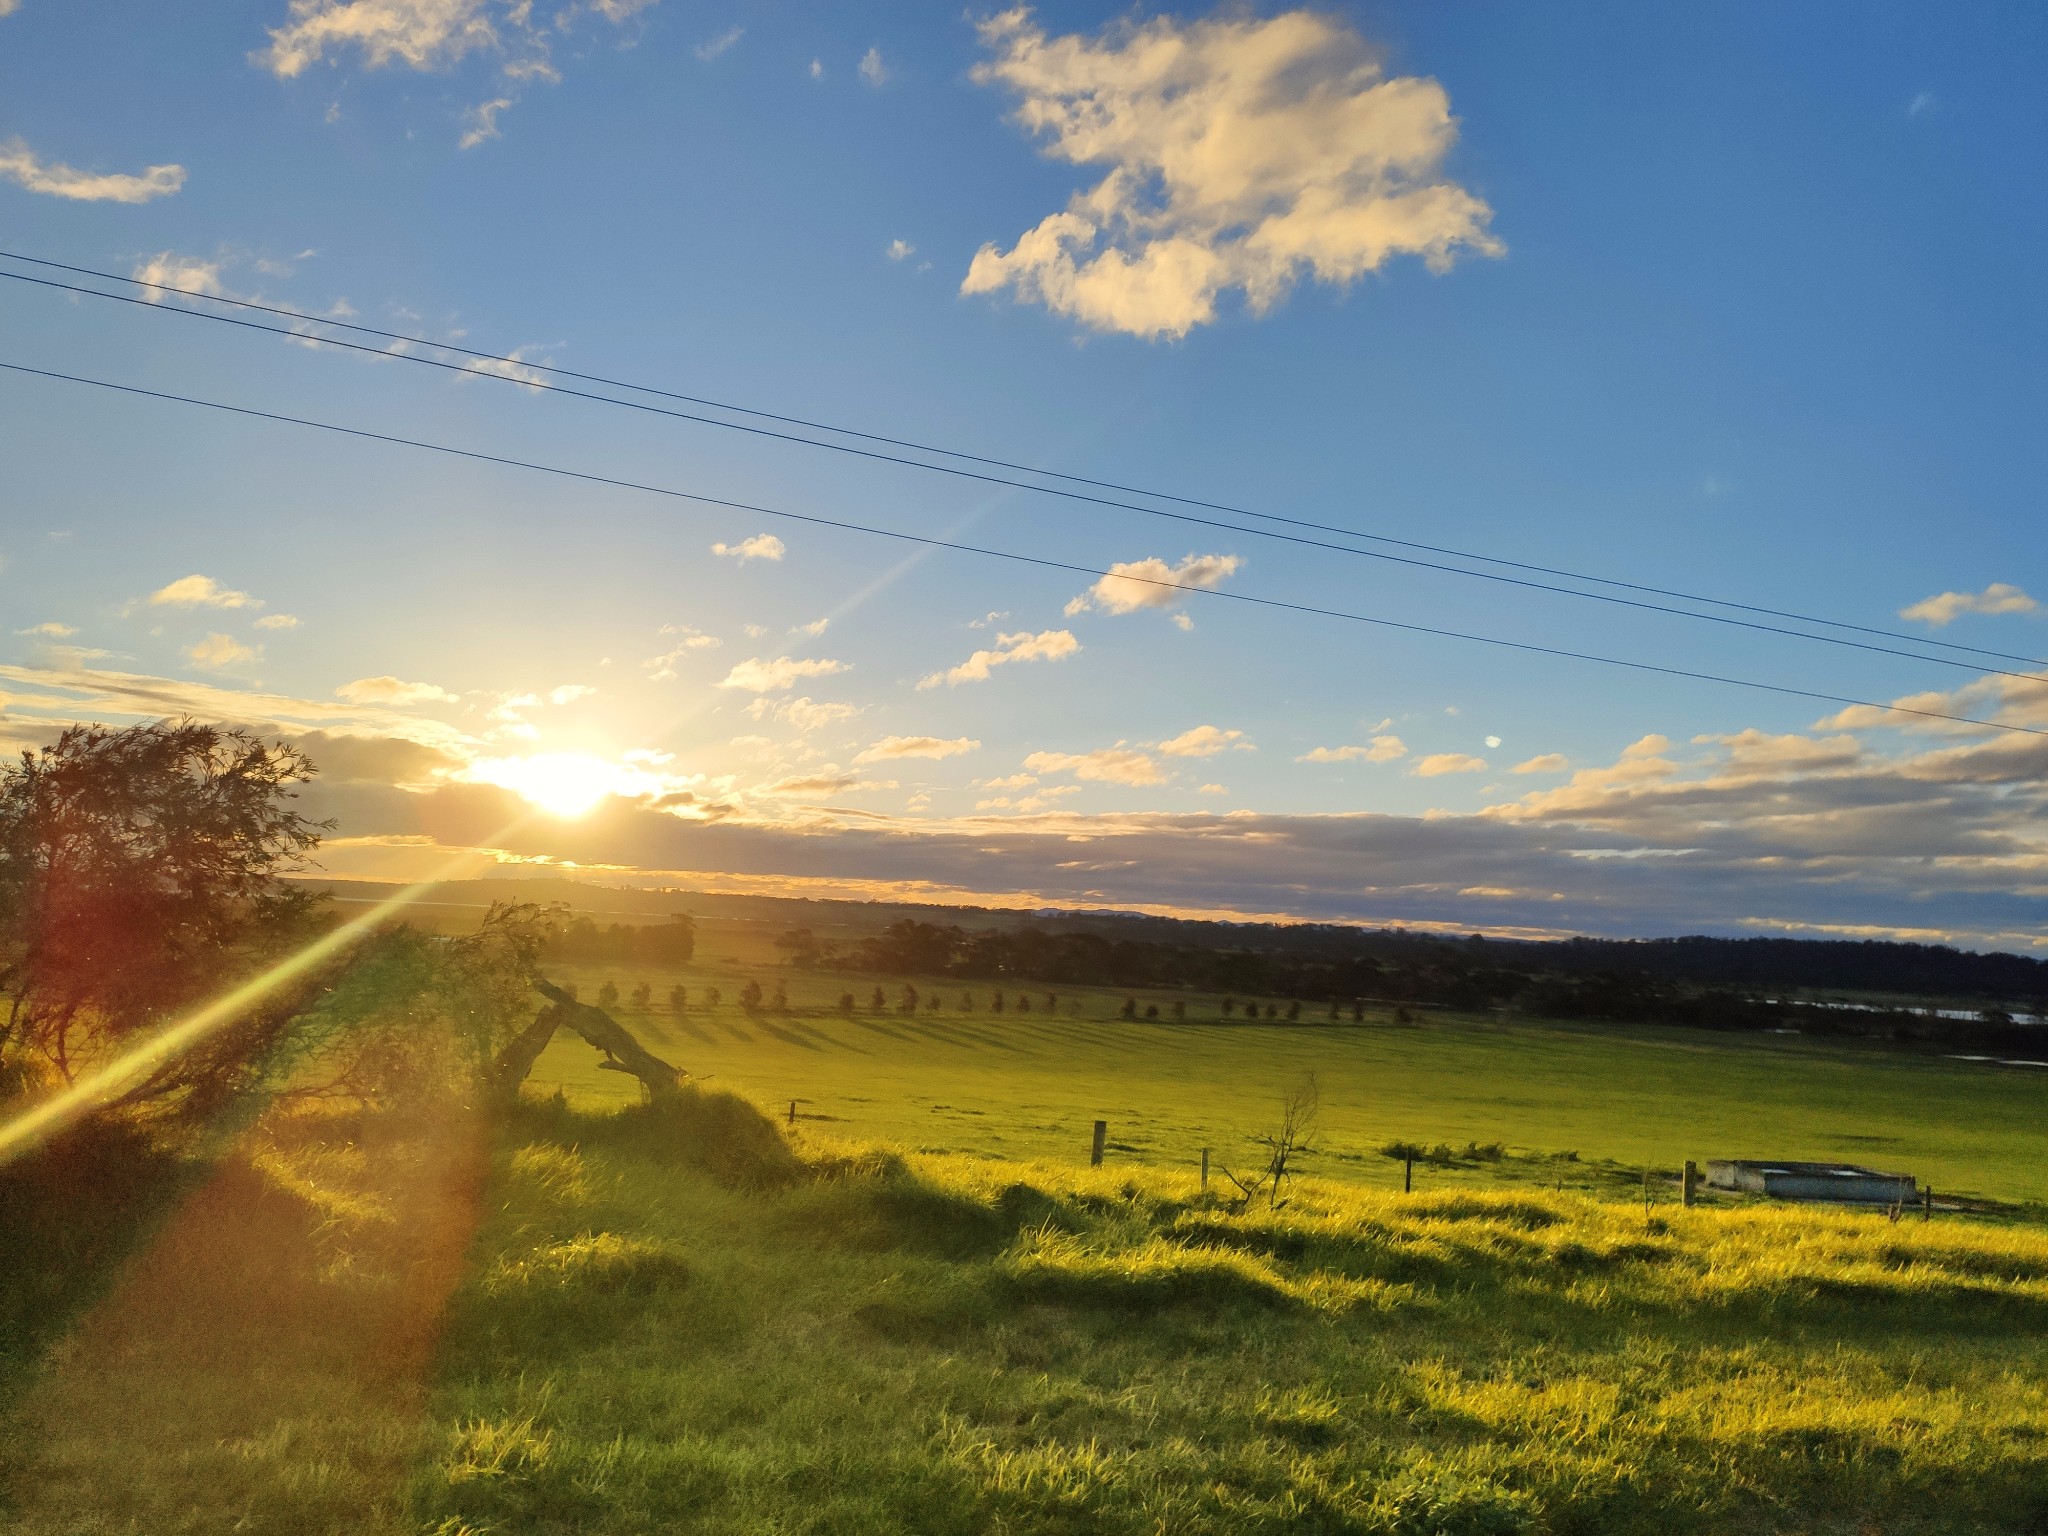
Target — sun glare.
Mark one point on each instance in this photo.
(565, 784)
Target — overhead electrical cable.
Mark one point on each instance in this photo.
(1014, 557)
(505, 367)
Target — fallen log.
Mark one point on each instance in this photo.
(622, 1052)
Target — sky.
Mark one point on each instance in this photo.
(1736, 301)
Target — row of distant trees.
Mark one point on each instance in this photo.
(1337, 976)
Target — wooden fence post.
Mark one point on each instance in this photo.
(1205, 1167)
(1101, 1138)
(792, 1111)
(1927, 1203)
(1689, 1181)
(1408, 1171)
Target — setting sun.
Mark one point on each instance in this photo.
(566, 784)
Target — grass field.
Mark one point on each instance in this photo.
(1030, 1085)
(676, 1322)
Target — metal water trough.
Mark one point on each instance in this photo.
(1840, 1182)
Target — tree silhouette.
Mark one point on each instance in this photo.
(1129, 1009)
(643, 996)
(678, 999)
(608, 996)
(1023, 1002)
(750, 996)
(139, 875)
(909, 1003)
(712, 997)
(1229, 1006)
(846, 1004)
(780, 1001)
(879, 1001)
(995, 1002)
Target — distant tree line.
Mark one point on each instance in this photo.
(1660, 981)
(580, 941)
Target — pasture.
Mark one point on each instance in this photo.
(1026, 1085)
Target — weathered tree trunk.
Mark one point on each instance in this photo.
(622, 1052)
(522, 1051)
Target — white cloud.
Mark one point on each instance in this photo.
(1548, 762)
(1014, 781)
(712, 48)
(1242, 153)
(420, 34)
(828, 782)
(190, 274)
(872, 69)
(436, 35)
(217, 653)
(51, 630)
(1923, 102)
(1440, 763)
(892, 747)
(278, 621)
(1946, 607)
(814, 629)
(200, 592)
(817, 69)
(1213, 789)
(1046, 645)
(18, 164)
(802, 715)
(1492, 741)
(9, 7)
(901, 250)
(758, 676)
(483, 121)
(762, 546)
(1204, 741)
(1382, 749)
(569, 693)
(1152, 583)
(392, 690)
(1107, 765)
(988, 619)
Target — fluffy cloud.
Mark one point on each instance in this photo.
(779, 675)
(392, 690)
(1437, 764)
(762, 546)
(1382, 749)
(18, 164)
(810, 785)
(890, 747)
(438, 34)
(219, 653)
(190, 274)
(51, 630)
(1946, 607)
(200, 592)
(1107, 765)
(421, 34)
(1204, 741)
(569, 693)
(872, 69)
(1548, 762)
(278, 621)
(1046, 645)
(802, 715)
(1242, 153)
(901, 250)
(1152, 583)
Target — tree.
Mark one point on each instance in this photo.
(1129, 1009)
(643, 996)
(801, 945)
(780, 1001)
(909, 1003)
(1294, 1012)
(1151, 1010)
(995, 1001)
(967, 1002)
(1293, 1138)
(846, 1003)
(1229, 1006)
(1023, 1002)
(678, 999)
(712, 996)
(608, 995)
(1180, 1009)
(879, 1001)
(750, 996)
(139, 876)
(934, 1003)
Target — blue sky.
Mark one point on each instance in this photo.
(1737, 300)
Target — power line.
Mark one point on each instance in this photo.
(1040, 561)
(507, 363)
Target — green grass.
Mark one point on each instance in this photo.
(679, 1320)
(947, 1344)
(1030, 1085)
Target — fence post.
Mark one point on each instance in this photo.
(1408, 1171)
(1205, 1167)
(1101, 1137)
(1689, 1182)
(1646, 1194)
(1927, 1203)
(792, 1111)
